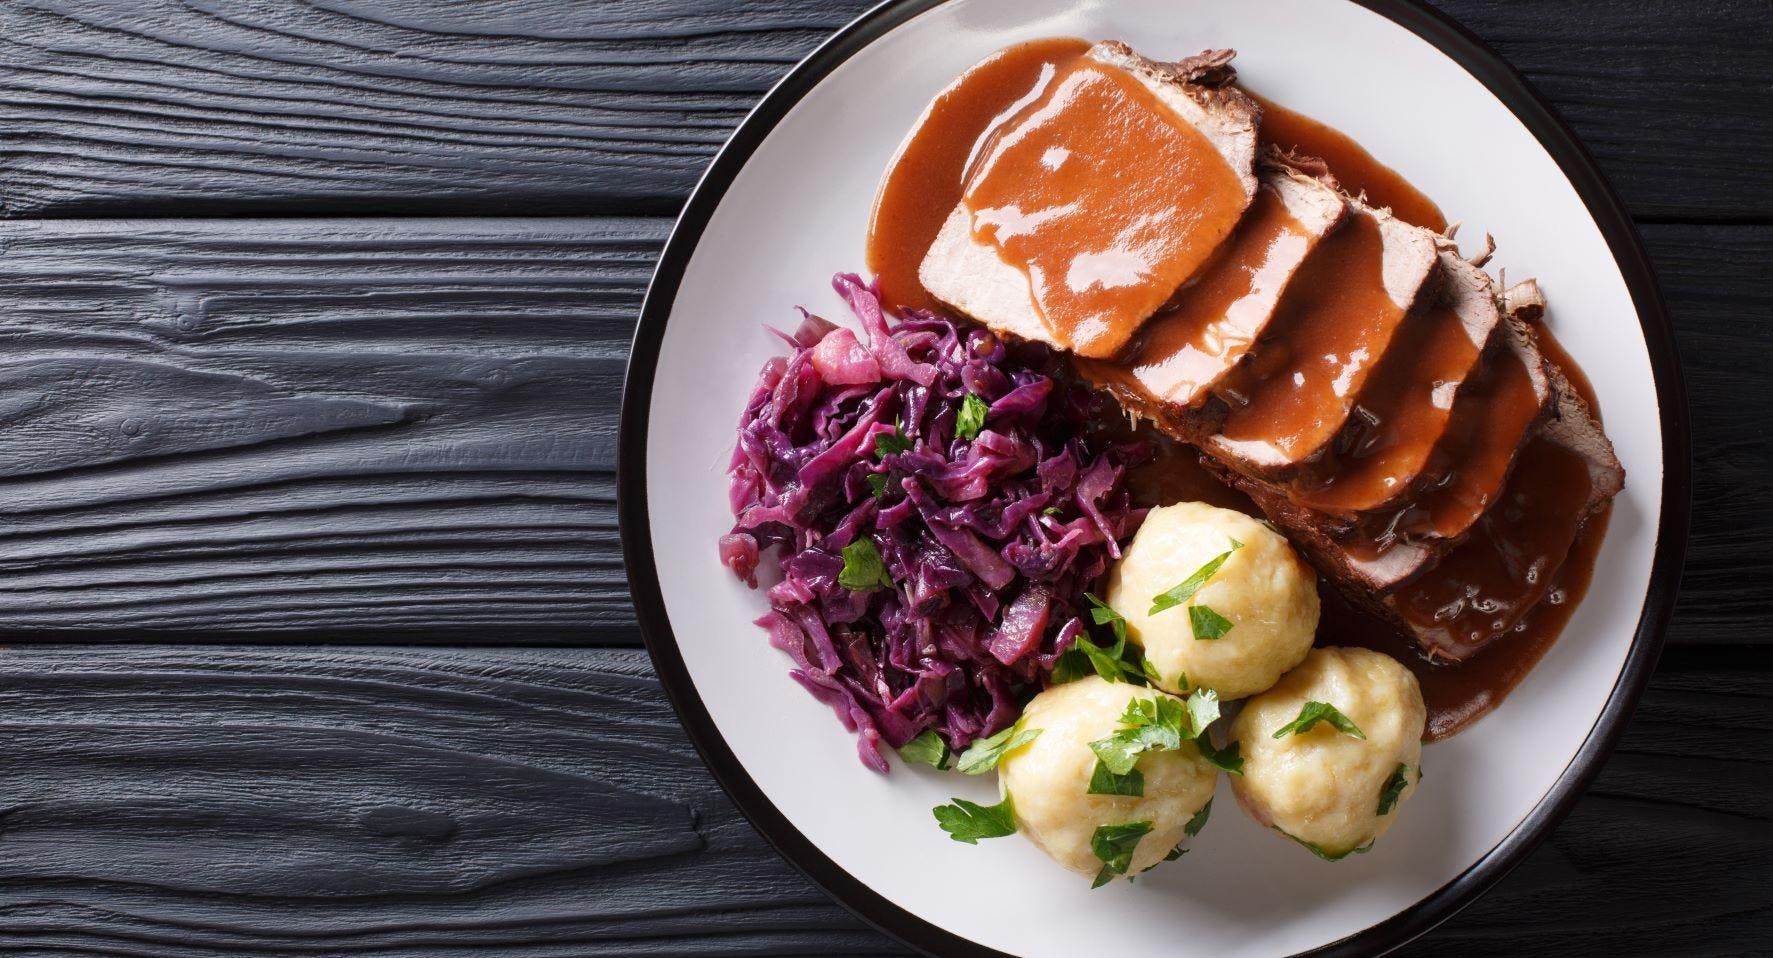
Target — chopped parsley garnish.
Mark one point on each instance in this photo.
(1102, 614)
(1206, 623)
(1105, 782)
(877, 483)
(1119, 662)
(1199, 821)
(971, 417)
(1185, 590)
(1150, 724)
(1229, 758)
(1318, 850)
(967, 822)
(1394, 788)
(927, 748)
(1175, 853)
(1051, 511)
(983, 755)
(1315, 712)
(1114, 845)
(887, 443)
(1151, 673)
(862, 568)
(1203, 710)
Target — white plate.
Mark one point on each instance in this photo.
(786, 205)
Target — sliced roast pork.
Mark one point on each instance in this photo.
(1189, 347)
(1378, 552)
(1567, 476)
(1087, 209)
(1337, 320)
(1403, 420)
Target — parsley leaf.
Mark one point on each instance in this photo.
(1114, 845)
(1206, 623)
(1185, 590)
(926, 749)
(1203, 710)
(1175, 853)
(967, 822)
(1393, 790)
(887, 443)
(1151, 673)
(1199, 821)
(1319, 851)
(1105, 782)
(877, 483)
(971, 417)
(1315, 712)
(1150, 724)
(983, 755)
(1229, 758)
(862, 568)
(1072, 665)
(1102, 614)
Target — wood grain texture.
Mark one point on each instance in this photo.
(357, 107)
(315, 427)
(199, 803)
(327, 430)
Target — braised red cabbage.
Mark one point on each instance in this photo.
(989, 543)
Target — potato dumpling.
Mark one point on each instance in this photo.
(1266, 594)
(1324, 787)
(1048, 781)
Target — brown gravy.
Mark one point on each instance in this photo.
(1104, 199)
(1185, 350)
(1403, 416)
(1355, 169)
(1335, 318)
(924, 180)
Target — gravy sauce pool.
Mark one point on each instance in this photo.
(1353, 166)
(928, 178)
(1105, 199)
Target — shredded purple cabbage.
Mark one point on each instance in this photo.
(990, 543)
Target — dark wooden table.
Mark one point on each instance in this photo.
(317, 639)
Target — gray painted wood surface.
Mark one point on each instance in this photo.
(301, 487)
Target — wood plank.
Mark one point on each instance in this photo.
(315, 427)
(397, 107)
(199, 803)
(320, 430)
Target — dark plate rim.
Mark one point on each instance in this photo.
(1622, 239)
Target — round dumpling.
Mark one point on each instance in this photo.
(1048, 781)
(1262, 600)
(1327, 787)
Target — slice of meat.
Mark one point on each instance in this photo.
(1378, 552)
(1087, 209)
(1337, 320)
(1567, 475)
(1404, 417)
(1191, 345)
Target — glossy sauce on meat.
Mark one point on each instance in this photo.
(1401, 418)
(1335, 320)
(1185, 349)
(1483, 447)
(1104, 199)
(925, 179)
